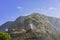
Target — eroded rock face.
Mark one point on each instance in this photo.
(34, 36)
(34, 30)
(34, 23)
(33, 27)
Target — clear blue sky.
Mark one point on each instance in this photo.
(11, 9)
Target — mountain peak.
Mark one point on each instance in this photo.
(34, 27)
(35, 19)
(35, 14)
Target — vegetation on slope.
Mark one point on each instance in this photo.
(4, 36)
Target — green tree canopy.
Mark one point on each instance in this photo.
(4, 36)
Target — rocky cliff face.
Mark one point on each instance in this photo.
(34, 36)
(33, 27)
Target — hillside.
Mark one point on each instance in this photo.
(33, 27)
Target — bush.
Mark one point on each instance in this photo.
(4, 36)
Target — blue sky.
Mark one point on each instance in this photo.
(11, 9)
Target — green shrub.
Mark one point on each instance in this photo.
(4, 36)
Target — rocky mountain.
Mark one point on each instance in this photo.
(52, 22)
(33, 27)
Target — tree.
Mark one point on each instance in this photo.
(4, 36)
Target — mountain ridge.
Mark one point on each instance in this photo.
(41, 17)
